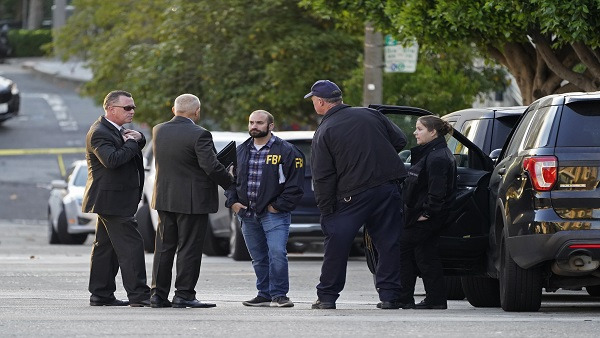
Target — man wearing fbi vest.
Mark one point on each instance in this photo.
(269, 177)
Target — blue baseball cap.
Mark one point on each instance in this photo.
(325, 89)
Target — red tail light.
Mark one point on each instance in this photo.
(542, 170)
(584, 246)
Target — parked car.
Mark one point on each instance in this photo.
(545, 204)
(67, 224)
(487, 128)
(9, 99)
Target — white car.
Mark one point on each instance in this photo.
(67, 224)
(217, 236)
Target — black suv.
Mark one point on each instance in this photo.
(545, 202)
(488, 128)
(533, 221)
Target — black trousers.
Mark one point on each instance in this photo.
(182, 234)
(380, 209)
(419, 254)
(118, 244)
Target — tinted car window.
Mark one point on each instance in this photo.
(469, 129)
(579, 125)
(539, 129)
(517, 139)
(502, 128)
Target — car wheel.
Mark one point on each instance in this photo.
(481, 291)
(593, 290)
(370, 252)
(145, 227)
(454, 290)
(63, 234)
(520, 289)
(52, 235)
(214, 246)
(237, 246)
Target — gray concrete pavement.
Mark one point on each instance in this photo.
(72, 71)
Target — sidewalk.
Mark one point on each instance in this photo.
(74, 71)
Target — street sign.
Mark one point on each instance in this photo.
(399, 59)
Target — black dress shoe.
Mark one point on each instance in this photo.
(179, 302)
(158, 302)
(395, 305)
(97, 301)
(140, 303)
(323, 305)
(424, 305)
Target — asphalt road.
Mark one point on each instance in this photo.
(43, 292)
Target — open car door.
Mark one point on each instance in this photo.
(464, 239)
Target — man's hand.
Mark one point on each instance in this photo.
(236, 207)
(131, 134)
(271, 209)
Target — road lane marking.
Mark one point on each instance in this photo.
(46, 151)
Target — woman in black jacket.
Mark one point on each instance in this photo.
(429, 191)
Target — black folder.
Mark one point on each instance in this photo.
(227, 156)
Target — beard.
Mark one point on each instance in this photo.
(255, 133)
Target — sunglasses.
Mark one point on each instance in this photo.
(127, 108)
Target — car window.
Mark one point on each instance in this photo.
(80, 177)
(539, 129)
(501, 130)
(579, 125)
(517, 138)
(469, 129)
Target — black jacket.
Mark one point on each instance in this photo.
(282, 196)
(354, 149)
(115, 171)
(187, 169)
(430, 187)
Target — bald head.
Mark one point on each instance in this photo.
(187, 105)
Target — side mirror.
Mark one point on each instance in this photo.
(58, 184)
(495, 154)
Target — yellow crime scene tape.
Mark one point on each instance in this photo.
(45, 151)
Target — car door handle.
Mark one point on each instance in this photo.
(501, 171)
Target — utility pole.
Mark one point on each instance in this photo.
(59, 13)
(373, 66)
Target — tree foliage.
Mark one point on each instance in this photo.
(549, 46)
(235, 55)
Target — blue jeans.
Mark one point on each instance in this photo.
(266, 237)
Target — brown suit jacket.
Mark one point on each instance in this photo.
(115, 171)
(187, 169)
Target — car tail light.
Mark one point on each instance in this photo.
(542, 170)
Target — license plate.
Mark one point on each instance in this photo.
(3, 107)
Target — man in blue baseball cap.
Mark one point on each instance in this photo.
(357, 174)
(324, 89)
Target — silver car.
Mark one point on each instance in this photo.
(67, 224)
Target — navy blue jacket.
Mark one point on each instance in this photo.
(354, 149)
(282, 196)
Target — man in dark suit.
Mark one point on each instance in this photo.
(113, 191)
(185, 192)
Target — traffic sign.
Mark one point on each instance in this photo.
(399, 59)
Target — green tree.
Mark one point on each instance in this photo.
(236, 55)
(443, 82)
(549, 46)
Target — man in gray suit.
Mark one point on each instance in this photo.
(185, 192)
(113, 191)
